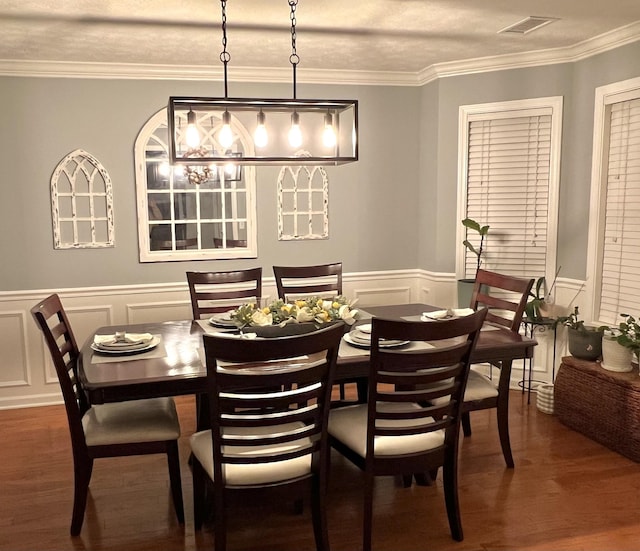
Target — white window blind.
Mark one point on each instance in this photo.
(508, 178)
(620, 276)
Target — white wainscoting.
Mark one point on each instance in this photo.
(27, 377)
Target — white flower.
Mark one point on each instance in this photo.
(347, 314)
(260, 318)
(304, 314)
(327, 304)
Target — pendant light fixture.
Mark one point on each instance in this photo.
(327, 129)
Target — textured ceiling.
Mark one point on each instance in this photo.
(406, 36)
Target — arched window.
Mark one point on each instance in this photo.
(179, 219)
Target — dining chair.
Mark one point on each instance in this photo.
(215, 292)
(398, 431)
(323, 280)
(505, 298)
(137, 427)
(267, 445)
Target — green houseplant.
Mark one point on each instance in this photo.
(584, 342)
(536, 304)
(465, 285)
(620, 343)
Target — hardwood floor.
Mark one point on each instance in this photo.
(566, 492)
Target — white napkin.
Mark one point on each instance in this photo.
(129, 338)
(446, 314)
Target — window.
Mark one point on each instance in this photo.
(181, 220)
(614, 231)
(509, 156)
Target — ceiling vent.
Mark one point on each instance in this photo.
(527, 25)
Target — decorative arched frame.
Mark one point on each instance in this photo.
(81, 203)
(180, 220)
(303, 202)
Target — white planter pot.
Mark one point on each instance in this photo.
(615, 357)
(544, 402)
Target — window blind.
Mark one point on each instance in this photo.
(620, 275)
(508, 175)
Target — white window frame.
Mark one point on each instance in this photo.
(249, 176)
(509, 109)
(605, 97)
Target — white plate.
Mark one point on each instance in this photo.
(384, 344)
(155, 341)
(222, 320)
(365, 327)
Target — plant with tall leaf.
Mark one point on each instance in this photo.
(482, 232)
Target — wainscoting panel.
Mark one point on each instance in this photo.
(27, 377)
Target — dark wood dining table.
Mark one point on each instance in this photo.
(178, 369)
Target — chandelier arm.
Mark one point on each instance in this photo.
(225, 56)
(294, 58)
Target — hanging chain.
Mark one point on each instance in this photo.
(225, 56)
(294, 58)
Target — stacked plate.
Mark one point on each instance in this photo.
(360, 337)
(223, 320)
(544, 400)
(124, 343)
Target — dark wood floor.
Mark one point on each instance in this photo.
(566, 492)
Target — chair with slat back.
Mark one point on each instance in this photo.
(505, 297)
(267, 444)
(320, 280)
(324, 280)
(399, 432)
(215, 292)
(110, 430)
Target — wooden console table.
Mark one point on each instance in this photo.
(603, 405)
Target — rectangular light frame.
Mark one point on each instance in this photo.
(312, 113)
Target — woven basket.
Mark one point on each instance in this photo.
(603, 405)
(545, 401)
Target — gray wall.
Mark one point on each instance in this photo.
(372, 202)
(393, 209)
(440, 102)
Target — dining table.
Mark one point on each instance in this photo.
(175, 365)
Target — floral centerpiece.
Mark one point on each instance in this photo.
(310, 310)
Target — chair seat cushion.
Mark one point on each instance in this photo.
(152, 420)
(254, 473)
(349, 425)
(479, 387)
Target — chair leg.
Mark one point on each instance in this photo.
(503, 428)
(450, 481)
(407, 479)
(199, 478)
(173, 459)
(367, 523)
(342, 392)
(82, 477)
(220, 522)
(466, 424)
(319, 514)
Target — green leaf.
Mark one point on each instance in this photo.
(470, 247)
(484, 230)
(472, 225)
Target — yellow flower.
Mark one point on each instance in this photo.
(301, 303)
(336, 305)
(286, 308)
(266, 310)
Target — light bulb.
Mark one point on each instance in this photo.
(193, 136)
(229, 169)
(225, 137)
(295, 135)
(164, 169)
(260, 137)
(329, 135)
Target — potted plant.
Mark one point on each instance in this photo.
(585, 342)
(619, 344)
(465, 285)
(536, 305)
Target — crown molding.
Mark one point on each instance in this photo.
(63, 69)
(583, 50)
